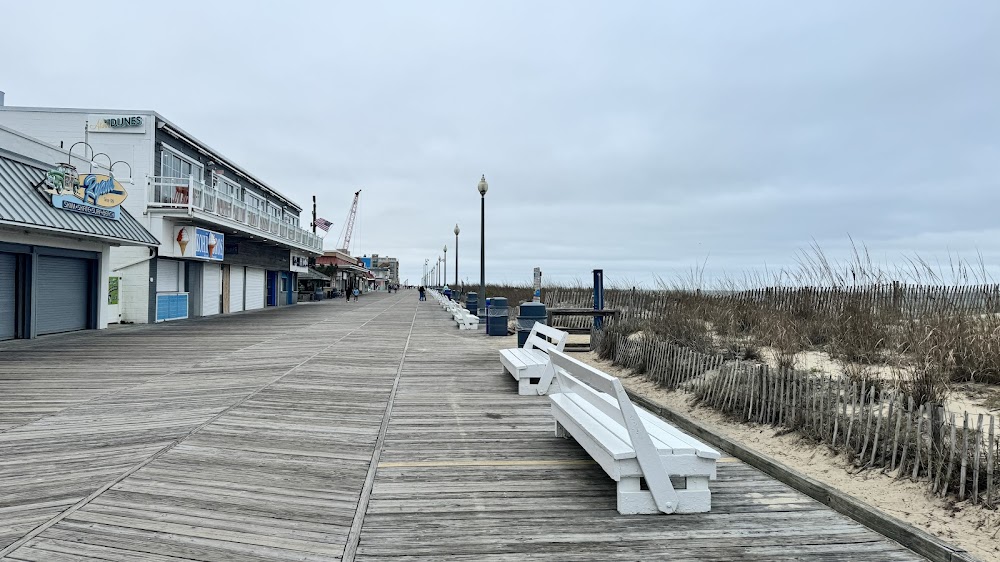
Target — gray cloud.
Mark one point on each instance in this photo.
(639, 138)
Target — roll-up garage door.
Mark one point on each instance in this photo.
(211, 289)
(235, 289)
(62, 303)
(255, 288)
(168, 276)
(7, 296)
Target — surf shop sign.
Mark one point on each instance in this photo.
(96, 195)
(199, 243)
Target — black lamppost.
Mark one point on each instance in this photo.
(456, 254)
(445, 262)
(483, 186)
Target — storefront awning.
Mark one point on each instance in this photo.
(23, 205)
(312, 275)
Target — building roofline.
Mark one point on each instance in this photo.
(180, 133)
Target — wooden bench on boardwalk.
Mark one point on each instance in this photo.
(465, 319)
(658, 468)
(528, 364)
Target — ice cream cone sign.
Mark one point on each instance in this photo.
(183, 238)
(203, 243)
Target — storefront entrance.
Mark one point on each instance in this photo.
(63, 301)
(46, 291)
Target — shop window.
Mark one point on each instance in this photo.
(284, 283)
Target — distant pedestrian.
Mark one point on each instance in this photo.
(347, 294)
(423, 297)
(356, 293)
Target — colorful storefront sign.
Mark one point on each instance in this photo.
(96, 195)
(199, 243)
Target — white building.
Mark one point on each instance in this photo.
(55, 249)
(229, 241)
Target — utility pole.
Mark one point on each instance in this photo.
(314, 215)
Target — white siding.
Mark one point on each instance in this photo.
(256, 288)
(236, 288)
(211, 289)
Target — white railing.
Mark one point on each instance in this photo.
(192, 195)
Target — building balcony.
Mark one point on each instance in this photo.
(195, 199)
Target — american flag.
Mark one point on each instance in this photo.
(324, 224)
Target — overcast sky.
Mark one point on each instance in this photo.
(640, 137)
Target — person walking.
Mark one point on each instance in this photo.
(420, 289)
(356, 293)
(347, 294)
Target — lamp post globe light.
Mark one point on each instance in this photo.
(445, 262)
(483, 186)
(456, 254)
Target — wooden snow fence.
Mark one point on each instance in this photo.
(879, 428)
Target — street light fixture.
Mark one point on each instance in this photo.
(445, 262)
(456, 254)
(483, 186)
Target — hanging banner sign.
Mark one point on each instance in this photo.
(93, 194)
(199, 243)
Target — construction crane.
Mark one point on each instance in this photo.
(345, 234)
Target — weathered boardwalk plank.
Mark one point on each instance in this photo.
(138, 444)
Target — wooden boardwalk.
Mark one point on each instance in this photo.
(372, 430)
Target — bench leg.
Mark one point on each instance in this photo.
(695, 498)
(561, 431)
(634, 501)
(527, 386)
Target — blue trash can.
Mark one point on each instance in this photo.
(528, 314)
(497, 316)
(472, 302)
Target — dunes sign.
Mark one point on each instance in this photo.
(93, 194)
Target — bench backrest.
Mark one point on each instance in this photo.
(546, 338)
(590, 383)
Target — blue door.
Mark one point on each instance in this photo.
(272, 288)
(287, 287)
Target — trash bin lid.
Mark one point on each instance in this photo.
(533, 309)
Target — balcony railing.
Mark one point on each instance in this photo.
(192, 195)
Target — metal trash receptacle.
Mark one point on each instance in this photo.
(497, 316)
(528, 314)
(472, 303)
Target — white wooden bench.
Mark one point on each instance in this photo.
(465, 319)
(528, 364)
(658, 468)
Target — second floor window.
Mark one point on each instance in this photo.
(254, 202)
(227, 186)
(173, 166)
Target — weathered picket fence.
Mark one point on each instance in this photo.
(876, 427)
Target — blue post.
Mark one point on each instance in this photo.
(598, 297)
